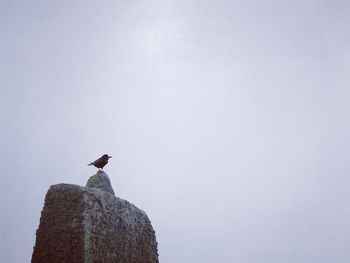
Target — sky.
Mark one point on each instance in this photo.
(228, 121)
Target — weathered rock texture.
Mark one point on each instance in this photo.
(100, 181)
(91, 225)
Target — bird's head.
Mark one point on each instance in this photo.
(106, 157)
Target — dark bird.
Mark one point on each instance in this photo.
(101, 162)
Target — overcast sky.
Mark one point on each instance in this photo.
(228, 121)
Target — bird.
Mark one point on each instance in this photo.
(101, 162)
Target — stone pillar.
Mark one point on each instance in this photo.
(90, 224)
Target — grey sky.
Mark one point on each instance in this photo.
(228, 121)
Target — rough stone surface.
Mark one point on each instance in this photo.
(83, 224)
(100, 181)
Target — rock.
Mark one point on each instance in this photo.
(100, 181)
(87, 224)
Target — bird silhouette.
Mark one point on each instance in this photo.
(101, 162)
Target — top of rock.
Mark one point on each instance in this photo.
(101, 182)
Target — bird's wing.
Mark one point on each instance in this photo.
(96, 161)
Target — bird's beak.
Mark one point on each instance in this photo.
(109, 156)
